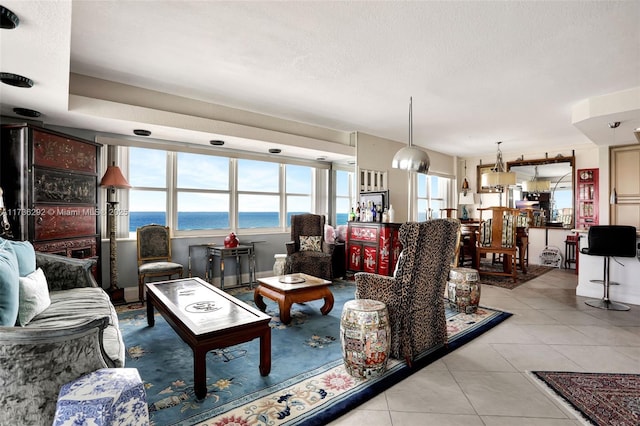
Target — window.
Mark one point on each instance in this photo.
(299, 189)
(203, 200)
(148, 195)
(258, 194)
(432, 196)
(344, 195)
(194, 192)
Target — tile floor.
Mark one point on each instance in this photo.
(485, 382)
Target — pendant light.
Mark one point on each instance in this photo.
(498, 178)
(411, 158)
(536, 185)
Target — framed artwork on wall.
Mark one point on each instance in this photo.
(483, 168)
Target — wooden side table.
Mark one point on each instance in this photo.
(238, 253)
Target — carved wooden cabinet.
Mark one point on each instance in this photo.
(373, 247)
(50, 183)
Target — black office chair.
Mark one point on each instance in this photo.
(610, 241)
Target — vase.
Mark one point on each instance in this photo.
(231, 241)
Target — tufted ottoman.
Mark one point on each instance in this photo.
(110, 396)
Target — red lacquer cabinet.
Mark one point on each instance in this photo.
(50, 183)
(373, 247)
(587, 198)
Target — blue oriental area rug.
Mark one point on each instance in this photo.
(307, 385)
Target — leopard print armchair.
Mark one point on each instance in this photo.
(414, 296)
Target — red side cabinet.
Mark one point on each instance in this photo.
(373, 247)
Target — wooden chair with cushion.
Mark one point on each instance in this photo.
(497, 236)
(154, 255)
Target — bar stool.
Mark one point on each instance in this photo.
(610, 241)
(571, 251)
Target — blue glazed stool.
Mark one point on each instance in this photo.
(110, 396)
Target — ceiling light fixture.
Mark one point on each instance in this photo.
(274, 151)
(26, 112)
(411, 158)
(498, 178)
(8, 19)
(536, 185)
(216, 142)
(142, 132)
(15, 80)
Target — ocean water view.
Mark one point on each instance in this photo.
(188, 221)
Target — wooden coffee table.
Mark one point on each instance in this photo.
(296, 288)
(207, 318)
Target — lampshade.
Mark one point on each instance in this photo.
(466, 199)
(113, 178)
(411, 158)
(496, 179)
(536, 186)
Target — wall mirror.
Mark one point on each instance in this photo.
(545, 189)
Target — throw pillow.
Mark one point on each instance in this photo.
(329, 234)
(310, 243)
(341, 233)
(8, 285)
(34, 296)
(26, 256)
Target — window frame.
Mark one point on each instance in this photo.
(122, 152)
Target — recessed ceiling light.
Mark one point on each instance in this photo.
(8, 19)
(142, 132)
(26, 112)
(321, 158)
(216, 142)
(274, 151)
(15, 80)
(351, 162)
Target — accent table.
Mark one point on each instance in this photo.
(207, 318)
(296, 288)
(237, 252)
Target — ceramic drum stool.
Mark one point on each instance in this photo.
(464, 290)
(364, 333)
(280, 265)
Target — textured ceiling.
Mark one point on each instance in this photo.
(478, 72)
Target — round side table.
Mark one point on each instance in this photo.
(464, 290)
(365, 335)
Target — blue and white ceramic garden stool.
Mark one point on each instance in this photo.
(365, 334)
(110, 396)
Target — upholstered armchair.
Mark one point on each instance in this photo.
(308, 252)
(414, 295)
(154, 255)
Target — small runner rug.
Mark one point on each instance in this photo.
(533, 271)
(600, 398)
(307, 385)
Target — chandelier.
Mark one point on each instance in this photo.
(498, 178)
